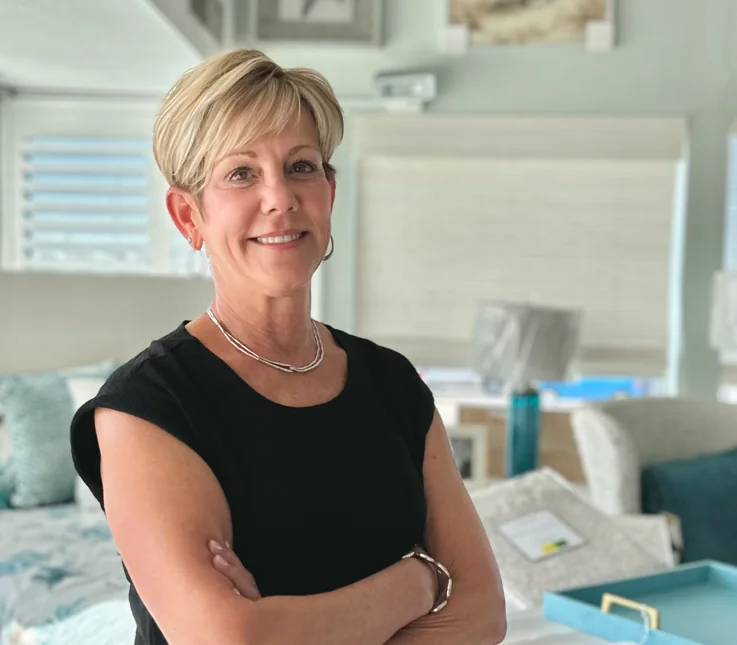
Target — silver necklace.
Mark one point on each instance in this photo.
(284, 367)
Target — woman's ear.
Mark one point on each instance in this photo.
(184, 212)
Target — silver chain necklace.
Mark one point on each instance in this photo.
(284, 367)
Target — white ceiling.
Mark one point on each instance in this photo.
(91, 45)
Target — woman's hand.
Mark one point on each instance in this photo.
(227, 563)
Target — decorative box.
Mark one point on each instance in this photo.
(692, 604)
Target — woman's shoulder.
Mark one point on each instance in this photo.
(385, 363)
(379, 356)
(397, 379)
(160, 356)
(149, 386)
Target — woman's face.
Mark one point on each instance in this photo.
(267, 211)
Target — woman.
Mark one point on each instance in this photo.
(317, 455)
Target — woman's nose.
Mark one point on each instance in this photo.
(278, 196)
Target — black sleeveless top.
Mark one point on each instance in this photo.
(321, 496)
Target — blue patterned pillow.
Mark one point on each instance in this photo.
(38, 412)
(36, 465)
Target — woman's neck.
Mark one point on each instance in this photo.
(276, 328)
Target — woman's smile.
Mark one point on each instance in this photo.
(280, 240)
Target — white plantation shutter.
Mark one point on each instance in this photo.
(81, 192)
(561, 212)
(85, 204)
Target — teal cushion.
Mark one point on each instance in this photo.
(36, 465)
(38, 413)
(701, 491)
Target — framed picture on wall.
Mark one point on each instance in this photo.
(469, 445)
(319, 21)
(529, 22)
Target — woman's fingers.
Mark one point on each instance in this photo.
(224, 552)
(227, 563)
(243, 583)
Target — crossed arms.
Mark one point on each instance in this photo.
(180, 508)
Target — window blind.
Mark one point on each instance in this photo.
(85, 204)
(81, 192)
(563, 212)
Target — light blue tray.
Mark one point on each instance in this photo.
(697, 605)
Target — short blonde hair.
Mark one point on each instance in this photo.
(229, 101)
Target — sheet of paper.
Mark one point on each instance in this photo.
(541, 535)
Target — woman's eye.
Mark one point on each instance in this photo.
(241, 174)
(301, 167)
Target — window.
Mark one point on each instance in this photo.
(82, 192)
(728, 388)
(85, 204)
(570, 212)
(730, 234)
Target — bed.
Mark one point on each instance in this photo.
(57, 564)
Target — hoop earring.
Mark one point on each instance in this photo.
(332, 248)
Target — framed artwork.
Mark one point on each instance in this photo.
(319, 21)
(469, 446)
(525, 22)
(210, 14)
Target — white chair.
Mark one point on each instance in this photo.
(616, 439)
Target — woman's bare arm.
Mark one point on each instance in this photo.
(164, 505)
(475, 614)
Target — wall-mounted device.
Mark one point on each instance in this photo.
(405, 91)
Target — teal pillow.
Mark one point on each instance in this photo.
(701, 491)
(36, 465)
(38, 413)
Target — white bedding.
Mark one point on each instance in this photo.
(54, 563)
(107, 623)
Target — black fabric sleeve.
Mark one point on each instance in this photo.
(410, 398)
(415, 394)
(143, 392)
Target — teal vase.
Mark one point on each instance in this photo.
(523, 432)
